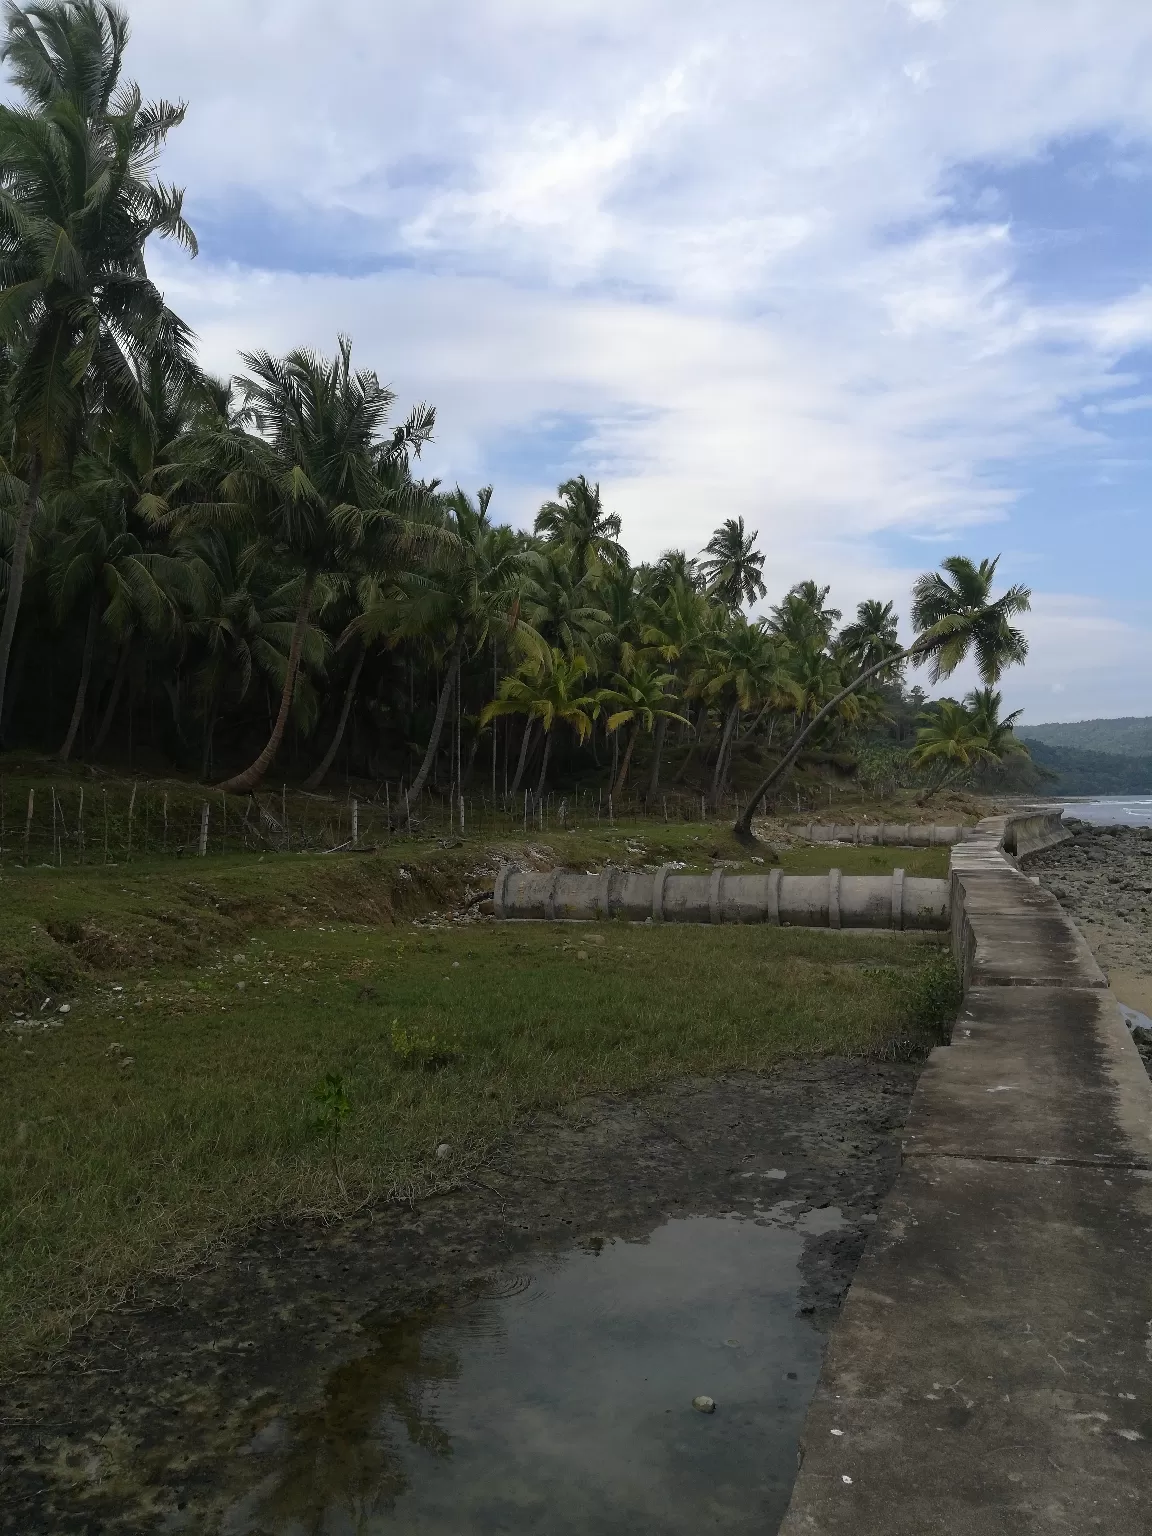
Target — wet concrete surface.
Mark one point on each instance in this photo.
(518, 1355)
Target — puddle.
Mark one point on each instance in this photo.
(561, 1401)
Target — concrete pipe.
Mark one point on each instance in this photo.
(833, 900)
(893, 834)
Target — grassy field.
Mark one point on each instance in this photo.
(169, 1024)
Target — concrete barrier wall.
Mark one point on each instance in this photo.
(894, 834)
(833, 900)
(989, 1370)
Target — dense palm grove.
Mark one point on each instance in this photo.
(219, 576)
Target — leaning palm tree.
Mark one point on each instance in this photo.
(954, 615)
(308, 485)
(80, 319)
(733, 567)
(641, 698)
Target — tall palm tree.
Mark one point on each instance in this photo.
(641, 697)
(99, 560)
(954, 615)
(563, 604)
(746, 667)
(733, 567)
(308, 482)
(804, 618)
(79, 316)
(578, 519)
(468, 589)
(872, 636)
(673, 632)
(556, 692)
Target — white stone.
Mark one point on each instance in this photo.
(703, 1404)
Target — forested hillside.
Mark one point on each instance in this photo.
(1077, 772)
(1128, 736)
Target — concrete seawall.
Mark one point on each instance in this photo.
(991, 1370)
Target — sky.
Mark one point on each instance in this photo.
(875, 275)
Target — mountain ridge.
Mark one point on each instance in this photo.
(1122, 736)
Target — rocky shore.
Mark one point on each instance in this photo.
(1102, 878)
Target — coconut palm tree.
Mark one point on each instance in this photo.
(673, 633)
(578, 520)
(309, 483)
(556, 691)
(98, 560)
(950, 742)
(561, 603)
(746, 668)
(733, 567)
(804, 618)
(79, 317)
(871, 637)
(954, 615)
(640, 697)
(467, 590)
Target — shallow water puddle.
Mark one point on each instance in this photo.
(562, 1402)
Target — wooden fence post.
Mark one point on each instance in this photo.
(204, 829)
(28, 821)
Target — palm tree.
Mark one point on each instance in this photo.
(640, 697)
(101, 561)
(548, 693)
(561, 603)
(872, 636)
(734, 568)
(950, 740)
(79, 316)
(746, 668)
(578, 520)
(675, 627)
(952, 618)
(804, 618)
(468, 590)
(311, 484)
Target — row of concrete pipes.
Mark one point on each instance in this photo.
(893, 834)
(833, 900)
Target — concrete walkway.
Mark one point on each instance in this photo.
(991, 1370)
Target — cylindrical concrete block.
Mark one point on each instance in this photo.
(895, 834)
(831, 900)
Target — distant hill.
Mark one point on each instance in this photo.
(1130, 736)
(1090, 773)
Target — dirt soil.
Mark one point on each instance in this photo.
(139, 1426)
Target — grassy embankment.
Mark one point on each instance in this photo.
(174, 1100)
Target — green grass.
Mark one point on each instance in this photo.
(175, 1100)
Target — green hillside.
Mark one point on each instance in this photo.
(1076, 772)
(1130, 736)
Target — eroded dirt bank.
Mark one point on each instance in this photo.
(151, 1419)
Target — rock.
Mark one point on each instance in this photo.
(443, 1150)
(703, 1404)
(65, 1008)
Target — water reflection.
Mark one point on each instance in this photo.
(563, 1401)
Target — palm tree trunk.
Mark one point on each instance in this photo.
(113, 697)
(18, 568)
(657, 749)
(523, 758)
(244, 783)
(449, 683)
(209, 734)
(722, 755)
(743, 826)
(316, 778)
(85, 673)
(618, 787)
(544, 762)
